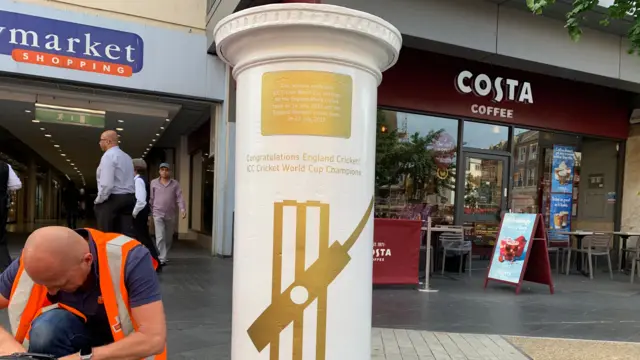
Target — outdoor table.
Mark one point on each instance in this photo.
(427, 269)
(579, 235)
(624, 236)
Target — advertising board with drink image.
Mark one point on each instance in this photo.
(562, 169)
(510, 251)
(560, 214)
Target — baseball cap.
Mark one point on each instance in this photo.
(165, 165)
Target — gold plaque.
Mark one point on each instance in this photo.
(304, 102)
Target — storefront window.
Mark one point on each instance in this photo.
(559, 169)
(415, 166)
(485, 136)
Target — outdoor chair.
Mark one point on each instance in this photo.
(558, 247)
(455, 243)
(594, 245)
(636, 258)
(626, 251)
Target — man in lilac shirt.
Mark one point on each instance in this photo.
(165, 195)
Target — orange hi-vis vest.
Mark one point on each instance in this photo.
(28, 300)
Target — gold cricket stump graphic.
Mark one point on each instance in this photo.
(313, 281)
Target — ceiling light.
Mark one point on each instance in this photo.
(119, 129)
(43, 129)
(68, 160)
(47, 135)
(154, 140)
(28, 111)
(63, 154)
(150, 144)
(56, 145)
(119, 135)
(168, 120)
(157, 134)
(161, 127)
(72, 164)
(35, 121)
(74, 168)
(90, 111)
(119, 141)
(120, 121)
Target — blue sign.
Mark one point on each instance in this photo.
(511, 248)
(562, 169)
(560, 216)
(63, 44)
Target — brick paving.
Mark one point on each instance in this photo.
(399, 344)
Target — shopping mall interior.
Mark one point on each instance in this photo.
(49, 134)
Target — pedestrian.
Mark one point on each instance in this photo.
(9, 182)
(115, 200)
(71, 200)
(85, 294)
(142, 210)
(165, 195)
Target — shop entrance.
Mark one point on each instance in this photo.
(484, 185)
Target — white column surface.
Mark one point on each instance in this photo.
(307, 77)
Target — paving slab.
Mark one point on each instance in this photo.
(572, 349)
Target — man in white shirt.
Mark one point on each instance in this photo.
(115, 201)
(9, 181)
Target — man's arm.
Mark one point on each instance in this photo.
(146, 308)
(6, 282)
(180, 200)
(107, 178)
(151, 196)
(141, 197)
(14, 182)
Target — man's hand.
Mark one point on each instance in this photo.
(71, 357)
(183, 214)
(9, 345)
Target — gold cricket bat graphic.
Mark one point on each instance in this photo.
(315, 279)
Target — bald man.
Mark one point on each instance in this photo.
(68, 265)
(116, 200)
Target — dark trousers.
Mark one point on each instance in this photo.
(114, 215)
(5, 258)
(141, 230)
(72, 218)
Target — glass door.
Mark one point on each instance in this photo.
(486, 182)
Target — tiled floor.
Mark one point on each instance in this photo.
(399, 344)
(197, 296)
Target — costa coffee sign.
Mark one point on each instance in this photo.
(499, 90)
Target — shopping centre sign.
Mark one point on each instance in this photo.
(498, 90)
(48, 42)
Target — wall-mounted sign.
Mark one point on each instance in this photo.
(78, 118)
(48, 42)
(497, 89)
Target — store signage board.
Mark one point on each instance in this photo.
(49, 42)
(396, 251)
(499, 90)
(69, 118)
(520, 253)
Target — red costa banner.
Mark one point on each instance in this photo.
(396, 251)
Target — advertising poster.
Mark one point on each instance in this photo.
(560, 216)
(510, 252)
(562, 169)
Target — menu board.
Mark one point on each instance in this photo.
(560, 215)
(562, 169)
(561, 199)
(509, 254)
